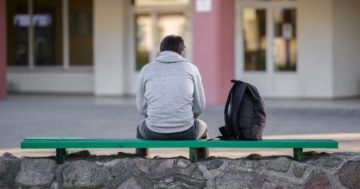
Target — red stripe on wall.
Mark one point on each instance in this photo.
(3, 49)
(214, 48)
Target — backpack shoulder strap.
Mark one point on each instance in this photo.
(236, 99)
(225, 129)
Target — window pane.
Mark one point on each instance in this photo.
(144, 42)
(81, 32)
(285, 43)
(17, 33)
(254, 35)
(47, 32)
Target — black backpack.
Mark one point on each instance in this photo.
(245, 115)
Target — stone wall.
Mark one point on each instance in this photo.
(84, 171)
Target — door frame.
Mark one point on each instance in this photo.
(269, 73)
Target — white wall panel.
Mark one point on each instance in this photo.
(51, 82)
(346, 55)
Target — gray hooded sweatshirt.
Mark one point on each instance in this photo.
(170, 94)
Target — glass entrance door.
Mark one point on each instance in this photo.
(151, 29)
(152, 21)
(266, 46)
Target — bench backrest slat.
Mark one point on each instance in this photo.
(58, 142)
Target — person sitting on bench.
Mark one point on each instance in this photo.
(171, 97)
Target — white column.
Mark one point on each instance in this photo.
(315, 48)
(65, 25)
(346, 48)
(239, 45)
(269, 50)
(109, 45)
(31, 35)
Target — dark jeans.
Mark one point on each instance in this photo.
(197, 131)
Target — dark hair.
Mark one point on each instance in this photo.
(172, 43)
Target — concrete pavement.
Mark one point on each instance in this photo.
(87, 116)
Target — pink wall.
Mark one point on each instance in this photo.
(2, 49)
(214, 46)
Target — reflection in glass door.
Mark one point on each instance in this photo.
(285, 46)
(254, 35)
(144, 44)
(168, 24)
(147, 33)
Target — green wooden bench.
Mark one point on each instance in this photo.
(61, 144)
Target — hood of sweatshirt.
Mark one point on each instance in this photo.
(170, 57)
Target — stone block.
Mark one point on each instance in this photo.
(271, 185)
(143, 165)
(214, 164)
(119, 168)
(281, 164)
(36, 172)
(130, 183)
(232, 178)
(183, 163)
(165, 165)
(317, 181)
(8, 156)
(350, 175)
(298, 171)
(84, 175)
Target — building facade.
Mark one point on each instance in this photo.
(286, 48)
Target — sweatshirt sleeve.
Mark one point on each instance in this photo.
(140, 94)
(199, 96)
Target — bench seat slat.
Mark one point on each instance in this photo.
(58, 142)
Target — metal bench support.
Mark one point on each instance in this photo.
(298, 154)
(61, 155)
(193, 155)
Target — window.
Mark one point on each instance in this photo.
(37, 40)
